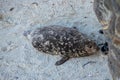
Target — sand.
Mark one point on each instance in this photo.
(20, 61)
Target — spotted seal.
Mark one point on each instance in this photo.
(63, 41)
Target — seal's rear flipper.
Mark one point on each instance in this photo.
(63, 60)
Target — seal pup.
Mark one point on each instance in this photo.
(64, 41)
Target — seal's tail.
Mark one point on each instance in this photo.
(27, 34)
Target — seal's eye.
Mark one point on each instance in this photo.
(90, 46)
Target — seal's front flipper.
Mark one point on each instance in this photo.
(61, 61)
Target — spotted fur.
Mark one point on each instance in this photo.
(64, 41)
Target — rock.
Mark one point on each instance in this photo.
(108, 13)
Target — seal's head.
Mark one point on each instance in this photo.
(91, 47)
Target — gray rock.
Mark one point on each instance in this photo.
(108, 13)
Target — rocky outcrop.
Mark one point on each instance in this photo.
(108, 13)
